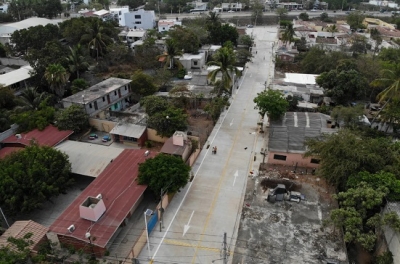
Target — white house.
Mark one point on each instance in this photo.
(135, 35)
(3, 8)
(192, 61)
(145, 19)
(232, 6)
(166, 25)
(119, 13)
(390, 4)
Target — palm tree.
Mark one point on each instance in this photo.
(96, 38)
(225, 60)
(76, 60)
(288, 34)
(30, 99)
(213, 18)
(57, 77)
(390, 79)
(333, 29)
(170, 54)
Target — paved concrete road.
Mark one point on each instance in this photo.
(199, 215)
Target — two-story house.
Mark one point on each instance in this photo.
(119, 14)
(112, 94)
(145, 19)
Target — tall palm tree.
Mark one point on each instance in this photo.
(213, 18)
(225, 60)
(288, 34)
(30, 99)
(171, 52)
(57, 77)
(96, 38)
(390, 79)
(333, 29)
(76, 60)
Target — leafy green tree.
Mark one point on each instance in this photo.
(304, 16)
(348, 152)
(390, 55)
(168, 121)
(272, 103)
(359, 45)
(391, 80)
(32, 176)
(5, 120)
(34, 38)
(391, 114)
(215, 107)
(17, 251)
(39, 118)
(162, 78)
(228, 33)
(57, 77)
(225, 60)
(281, 12)
(143, 84)
(317, 60)
(293, 101)
(257, 12)
(349, 116)
(185, 39)
(131, 3)
(358, 214)
(73, 118)
(343, 86)
(172, 52)
(47, 8)
(76, 60)
(7, 98)
(332, 29)
(324, 17)
(53, 52)
(154, 104)
(79, 85)
(376, 180)
(246, 40)
(164, 171)
(355, 19)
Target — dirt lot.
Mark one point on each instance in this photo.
(287, 232)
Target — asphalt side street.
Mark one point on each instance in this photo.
(198, 216)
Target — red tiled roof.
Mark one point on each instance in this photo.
(8, 150)
(20, 228)
(50, 136)
(118, 186)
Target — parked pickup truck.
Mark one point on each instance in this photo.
(280, 193)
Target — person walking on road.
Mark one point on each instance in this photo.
(215, 150)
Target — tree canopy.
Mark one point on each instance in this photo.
(272, 103)
(32, 176)
(142, 84)
(164, 171)
(72, 118)
(168, 121)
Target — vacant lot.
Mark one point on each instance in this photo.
(287, 232)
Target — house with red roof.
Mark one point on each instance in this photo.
(94, 217)
(50, 136)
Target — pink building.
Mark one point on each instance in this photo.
(288, 135)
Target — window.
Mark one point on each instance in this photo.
(90, 105)
(104, 99)
(119, 13)
(138, 16)
(126, 88)
(163, 28)
(195, 63)
(130, 139)
(115, 92)
(138, 22)
(315, 161)
(279, 157)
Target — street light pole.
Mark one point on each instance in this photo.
(5, 219)
(147, 213)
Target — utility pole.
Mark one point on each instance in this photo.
(225, 259)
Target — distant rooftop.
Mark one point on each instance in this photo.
(300, 78)
(15, 76)
(96, 91)
(290, 133)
